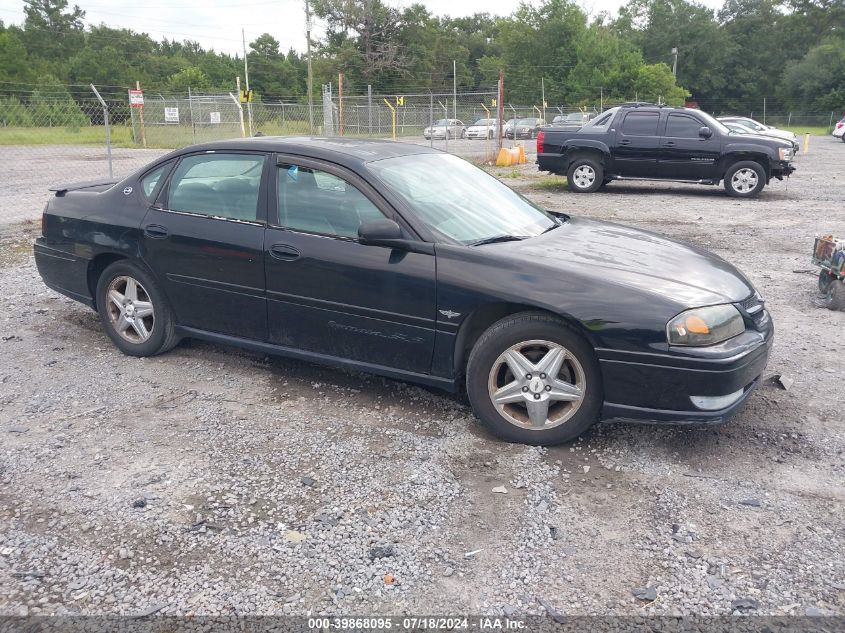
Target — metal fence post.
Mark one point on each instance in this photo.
(108, 129)
(369, 109)
(191, 115)
(431, 118)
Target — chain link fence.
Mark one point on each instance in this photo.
(65, 134)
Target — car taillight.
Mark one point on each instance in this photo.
(541, 135)
(840, 124)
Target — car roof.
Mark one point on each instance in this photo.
(364, 150)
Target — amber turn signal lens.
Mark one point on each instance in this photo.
(696, 325)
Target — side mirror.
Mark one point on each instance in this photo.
(705, 132)
(380, 233)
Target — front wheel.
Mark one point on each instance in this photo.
(585, 175)
(745, 179)
(134, 311)
(533, 379)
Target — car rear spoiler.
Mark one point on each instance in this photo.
(61, 190)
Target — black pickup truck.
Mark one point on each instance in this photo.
(650, 142)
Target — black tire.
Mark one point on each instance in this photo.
(162, 336)
(744, 166)
(463, 133)
(490, 135)
(572, 179)
(842, 138)
(835, 296)
(510, 332)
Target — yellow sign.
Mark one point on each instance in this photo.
(493, 102)
(400, 101)
(246, 96)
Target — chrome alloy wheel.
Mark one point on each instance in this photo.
(744, 180)
(130, 309)
(537, 385)
(584, 176)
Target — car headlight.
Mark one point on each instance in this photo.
(705, 326)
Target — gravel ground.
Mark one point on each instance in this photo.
(215, 481)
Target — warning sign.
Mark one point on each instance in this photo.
(171, 115)
(136, 98)
(214, 117)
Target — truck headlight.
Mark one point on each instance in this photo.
(705, 326)
(785, 153)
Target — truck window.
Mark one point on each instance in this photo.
(640, 123)
(683, 126)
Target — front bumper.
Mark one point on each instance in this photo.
(782, 168)
(657, 387)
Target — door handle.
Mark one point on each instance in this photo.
(669, 143)
(284, 252)
(624, 141)
(156, 231)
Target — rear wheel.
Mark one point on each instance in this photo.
(835, 296)
(133, 310)
(585, 175)
(533, 379)
(745, 179)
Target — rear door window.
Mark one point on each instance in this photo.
(640, 123)
(219, 185)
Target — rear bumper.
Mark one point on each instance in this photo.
(63, 272)
(658, 388)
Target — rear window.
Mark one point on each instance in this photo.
(640, 123)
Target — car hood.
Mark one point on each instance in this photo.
(625, 256)
(480, 128)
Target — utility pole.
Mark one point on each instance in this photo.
(455, 89)
(246, 79)
(675, 61)
(310, 73)
(543, 95)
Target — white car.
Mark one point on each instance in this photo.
(445, 128)
(839, 129)
(765, 130)
(483, 128)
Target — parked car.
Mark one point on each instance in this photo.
(526, 128)
(483, 128)
(648, 142)
(573, 120)
(738, 128)
(765, 130)
(839, 129)
(407, 262)
(445, 128)
(507, 128)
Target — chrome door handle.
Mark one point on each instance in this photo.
(284, 252)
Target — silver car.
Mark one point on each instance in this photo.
(764, 130)
(483, 128)
(445, 128)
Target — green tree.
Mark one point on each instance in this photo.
(51, 31)
(817, 82)
(188, 77)
(14, 66)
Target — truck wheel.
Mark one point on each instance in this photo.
(585, 175)
(835, 297)
(745, 179)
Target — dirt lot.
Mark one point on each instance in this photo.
(211, 480)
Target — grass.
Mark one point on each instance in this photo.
(800, 130)
(550, 183)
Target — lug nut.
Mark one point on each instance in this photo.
(528, 376)
(525, 388)
(536, 396)
(543, 376)
(548, 387)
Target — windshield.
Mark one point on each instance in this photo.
(526, 122)
(576, 116)
(485, 122)
(442, 122)
(457, 200)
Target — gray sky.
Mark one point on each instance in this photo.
(217, 23)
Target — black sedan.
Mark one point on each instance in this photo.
(383, 257)
(525, 128)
